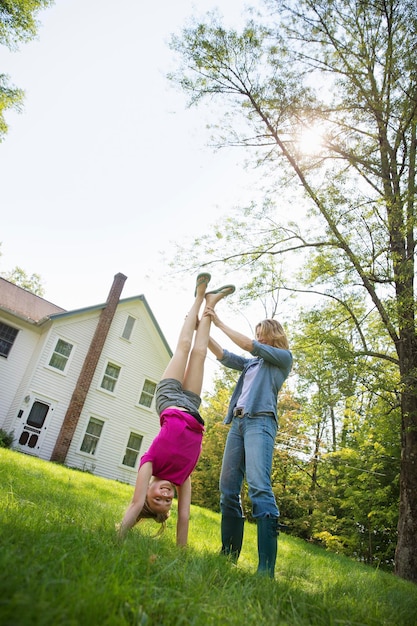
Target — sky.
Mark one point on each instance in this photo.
(106, 168)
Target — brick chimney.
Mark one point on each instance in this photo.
(76, 404)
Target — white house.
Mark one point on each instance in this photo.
(77, 387)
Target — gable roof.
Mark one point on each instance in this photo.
(97, 307)
(36, 310)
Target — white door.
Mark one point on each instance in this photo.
(34, 424)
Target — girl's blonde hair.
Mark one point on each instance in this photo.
(147, 513)
(273, 333)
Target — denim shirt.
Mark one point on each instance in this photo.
(275, 366)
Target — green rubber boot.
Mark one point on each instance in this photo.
(268, 530)
(232, 536)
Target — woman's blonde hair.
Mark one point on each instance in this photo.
(147, 513)
(273, 333)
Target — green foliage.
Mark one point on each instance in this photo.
(19, 277)
(10, 98)
(18, 24)
(64, 565)
(345, 482)
(6, 439)
(206, 475)
(205, 479)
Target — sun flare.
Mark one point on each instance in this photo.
(310, 140)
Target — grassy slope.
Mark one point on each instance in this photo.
(60, 565)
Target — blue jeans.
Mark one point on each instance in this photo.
(249, 449)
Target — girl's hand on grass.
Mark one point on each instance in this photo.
(120, 534)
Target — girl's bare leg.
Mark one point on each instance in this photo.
(176, 366)
(193, 378)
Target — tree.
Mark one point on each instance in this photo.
(351, 415)
(350, 68)
(31, 283)
(207, 472)
(17, 25)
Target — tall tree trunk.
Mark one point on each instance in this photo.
(316, 456)
(406, 550)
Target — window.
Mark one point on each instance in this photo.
(7, 337)
(92, 435)
(60, 355)
(127, 332)
(37, 414)
(148, 393)
(110, 377)
(132, 450)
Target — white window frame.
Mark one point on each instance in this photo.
(126, 448)
(113, 391)
(92, 455)
(145, 406)
(6, 341)
(53, 351)
(128, 336)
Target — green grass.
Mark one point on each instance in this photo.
(60, 565)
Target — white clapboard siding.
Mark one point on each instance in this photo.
(57, 386)
(16, 369)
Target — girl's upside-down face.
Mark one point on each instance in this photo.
(160, 495)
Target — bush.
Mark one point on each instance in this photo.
(6, 439)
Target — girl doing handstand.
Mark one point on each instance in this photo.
(174, 453)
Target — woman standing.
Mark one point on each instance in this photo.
(250, 442)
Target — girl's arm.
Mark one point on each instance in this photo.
(184, 504)
(138, 500)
